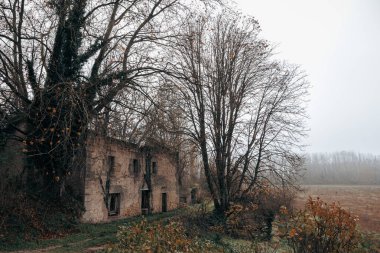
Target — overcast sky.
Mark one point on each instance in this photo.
(337, 43)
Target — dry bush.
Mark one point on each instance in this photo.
(319, 228)
(252, 216)
(155, 237)
(199, 219)
(24, 216)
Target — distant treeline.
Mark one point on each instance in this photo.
(342, 168)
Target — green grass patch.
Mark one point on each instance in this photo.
(87, 236)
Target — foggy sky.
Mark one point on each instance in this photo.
(337, 43)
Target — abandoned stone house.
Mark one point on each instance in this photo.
(123, 179)
(118, 179)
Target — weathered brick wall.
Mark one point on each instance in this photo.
(164, 181)
(124, 181)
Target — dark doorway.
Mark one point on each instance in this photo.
(193, 196)
(164, 202)
(113, 204)
(145, 199)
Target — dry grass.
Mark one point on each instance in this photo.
(363, 201)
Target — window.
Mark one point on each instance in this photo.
(154, 168)
(113, 204)
(182, 200)
(111, 164)
(135, 166)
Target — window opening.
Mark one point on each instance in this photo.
(135, 166)
(154, 168)
(111, 164)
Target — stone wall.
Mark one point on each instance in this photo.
(12, 156)
(124, 180)
(12, 159)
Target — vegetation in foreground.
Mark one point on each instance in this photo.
(319, 228)
(27, 217)
(244, 228)
(84, 236)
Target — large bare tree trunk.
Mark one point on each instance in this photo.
(244, 110)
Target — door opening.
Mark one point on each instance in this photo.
(193, 196)
(145, 200)
(164, 202)
(113, 204)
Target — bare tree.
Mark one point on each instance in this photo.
(62, 62)
(244, 110)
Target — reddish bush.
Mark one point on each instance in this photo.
(319, 228)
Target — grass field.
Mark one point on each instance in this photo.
(361, 200)
(89, 238)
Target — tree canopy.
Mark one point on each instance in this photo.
(141, 69)
(244, 110)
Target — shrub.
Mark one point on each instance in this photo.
(319, 228)
(240, 221)
(155, 237)
(27, 217)
(252, 215)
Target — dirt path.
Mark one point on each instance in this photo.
(48, 249)
(61, 247)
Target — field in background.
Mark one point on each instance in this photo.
(361, 200)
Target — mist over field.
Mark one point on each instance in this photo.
(346, 168)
